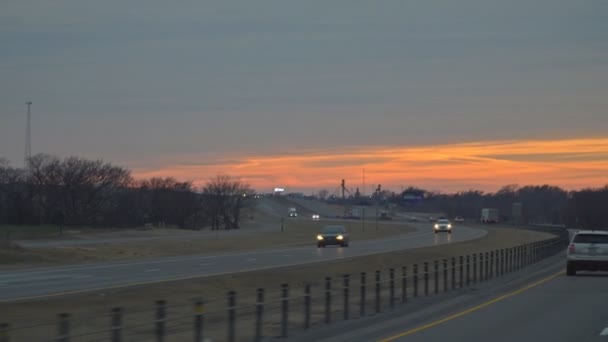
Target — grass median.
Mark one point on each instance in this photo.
(290, 233)
(138, 300)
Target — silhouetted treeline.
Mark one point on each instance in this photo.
(529, 204)
(75, 192)
(546, 204)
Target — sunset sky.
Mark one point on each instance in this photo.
(447, 95)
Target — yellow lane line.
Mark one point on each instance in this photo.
(470, 310)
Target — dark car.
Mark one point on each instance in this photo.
(333, 235)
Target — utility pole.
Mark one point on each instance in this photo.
(28, 133)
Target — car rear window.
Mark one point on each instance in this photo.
(591, 238)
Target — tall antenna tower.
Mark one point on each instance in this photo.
(28, 133)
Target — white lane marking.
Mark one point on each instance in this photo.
(83, 277)
(152, 270)
(604, 332)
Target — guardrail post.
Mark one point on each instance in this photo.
(404, 285)
(391, 282)
(415, 280)
(494, 268)
(346, 282)
(284, 309)
(4, 332)
(502, 261)
(468, 276)
(362, 305)
(461, 271)
(474, 268)
(445, 275)
(377, 291)
(487, 260)
(327, 300)
(480, 267)
(63, 327)
(520, 256)
(116, 315)
(436, 276)
(426, 278)
(306, 306)
(491, 270)
(161, 316)
(259, 315)
(231, 316)
(453, 274)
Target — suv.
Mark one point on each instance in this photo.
(442, 225)
(588, 250)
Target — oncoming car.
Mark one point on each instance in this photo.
(332, 235)
(442, 225)
(315, 217)
(588, 251)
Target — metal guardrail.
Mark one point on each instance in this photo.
(279, 314)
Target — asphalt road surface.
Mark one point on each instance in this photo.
(40, 282)
(541, 304)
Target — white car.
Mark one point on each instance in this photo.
(588, 250)
(442, 225)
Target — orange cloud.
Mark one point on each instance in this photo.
(569, 163)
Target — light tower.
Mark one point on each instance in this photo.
(28, 133)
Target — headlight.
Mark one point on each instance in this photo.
(449, 226)
(436, 226)
(340, 237)
(319, 237)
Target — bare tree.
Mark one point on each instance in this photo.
(224, 198)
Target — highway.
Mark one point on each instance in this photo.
(41, 282)
(536, 304)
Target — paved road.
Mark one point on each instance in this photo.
(56, 280)
(555, 308)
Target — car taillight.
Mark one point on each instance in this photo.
(571, 249)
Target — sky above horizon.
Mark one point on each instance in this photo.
(303, 94)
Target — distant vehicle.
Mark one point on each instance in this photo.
(291, 212)
(442, 225)
(588, 250)
(333, 235)
(432, 219)
(458, 219)
(316, 217)
(489, 215)
(384, 216)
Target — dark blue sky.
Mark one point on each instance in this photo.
(137, 82)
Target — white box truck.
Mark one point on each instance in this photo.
(489, 215)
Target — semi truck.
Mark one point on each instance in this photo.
(489, 215)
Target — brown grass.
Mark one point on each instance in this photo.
(295, 233)
(138, 300)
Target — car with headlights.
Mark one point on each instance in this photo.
(333, 235)
(588, 251)
(316, 217)
(442, 225)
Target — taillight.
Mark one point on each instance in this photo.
(571, 249)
